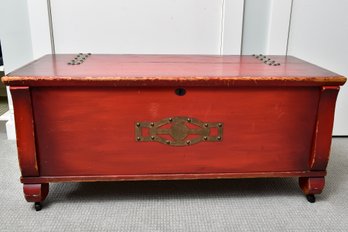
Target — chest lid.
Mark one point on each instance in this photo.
(170, 70)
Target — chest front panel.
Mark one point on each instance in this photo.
(92, 131)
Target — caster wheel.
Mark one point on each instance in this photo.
(38, 206)
(310, 198)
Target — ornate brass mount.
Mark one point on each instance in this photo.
(178, 131)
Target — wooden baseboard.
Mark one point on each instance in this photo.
(183, 176)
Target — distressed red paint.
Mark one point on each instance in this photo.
(76, 122)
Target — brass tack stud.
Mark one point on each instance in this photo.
(138, 138)
(170, 119)
(138, 124)
(219, 138)
(220, 125)
(152, 124)
(152, 137)
(205, 138)
(167, 142)
(189, 119)
(205, 124)
(188, 142)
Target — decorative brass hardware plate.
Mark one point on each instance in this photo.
(179, 131)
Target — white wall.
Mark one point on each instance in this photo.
(138, 26)
(266, 27)
(39, 27)
(15, 34)
(231, 27)
(16, 44)
(256, 23)
(319, 34)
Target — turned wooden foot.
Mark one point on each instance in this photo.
(35, 193)
(311, 186)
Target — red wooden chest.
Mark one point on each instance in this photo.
(159, 117)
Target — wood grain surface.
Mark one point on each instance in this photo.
(25, 131)
(154, 177)
(171, 70)
(90, 131)
(323, 129)
(77, 122)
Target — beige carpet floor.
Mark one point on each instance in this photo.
(214, 205)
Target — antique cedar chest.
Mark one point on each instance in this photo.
(161, 117)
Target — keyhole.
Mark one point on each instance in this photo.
(180, 91)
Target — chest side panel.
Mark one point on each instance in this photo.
(91, 131)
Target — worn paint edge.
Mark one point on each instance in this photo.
(151, 81)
